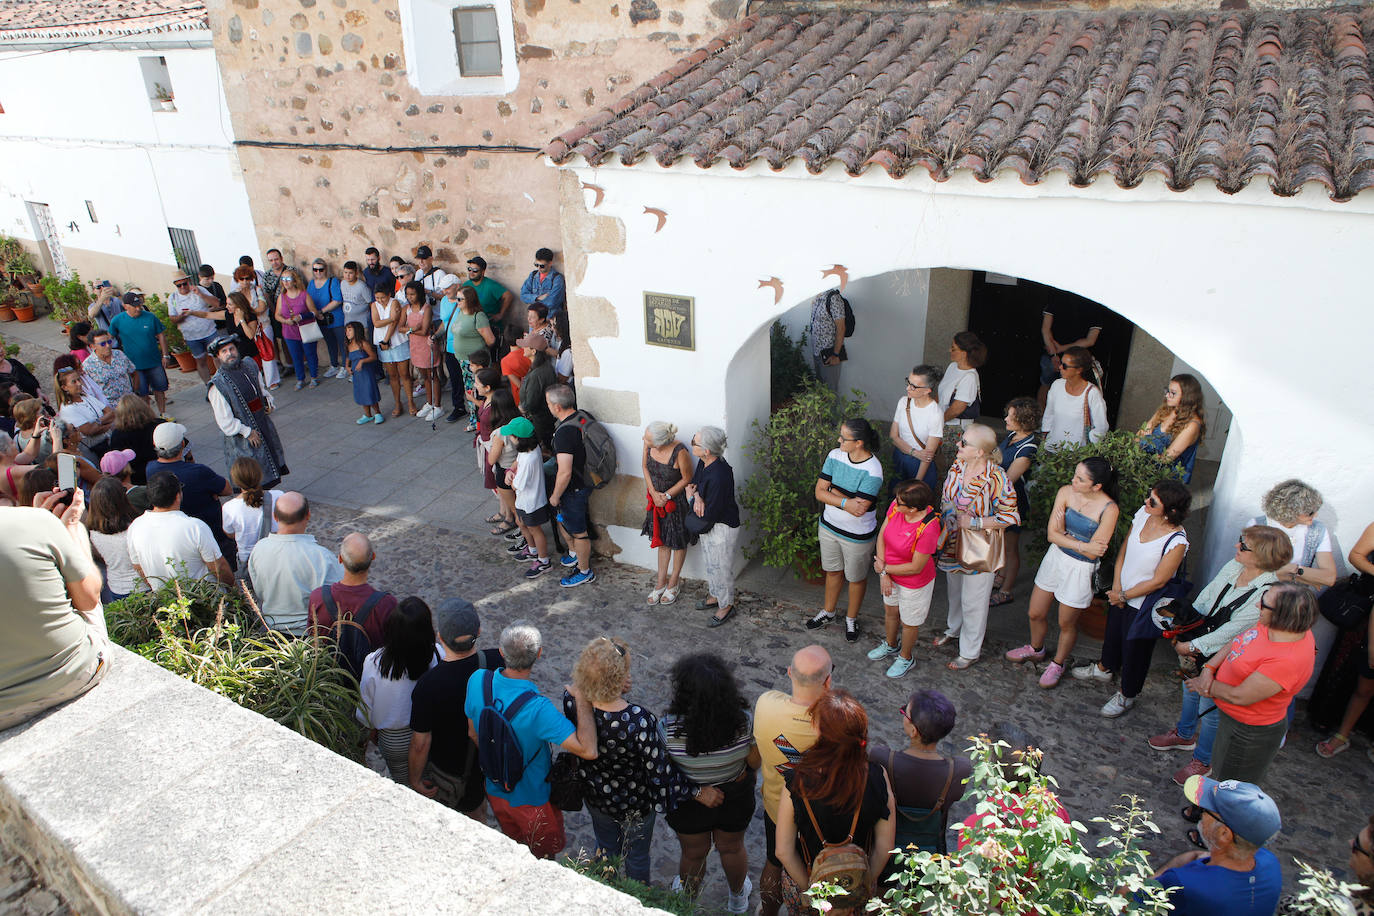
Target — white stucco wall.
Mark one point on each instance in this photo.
(78, 126)
(1238, 286)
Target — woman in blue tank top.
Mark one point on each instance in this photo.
(1177, 427)
(1080, 529)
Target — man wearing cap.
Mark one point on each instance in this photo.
(109, 368)
(241, 405)
(494, 298)
(443, 758)
(165, 541)
(431, 277)
(141, 336)
(1235, 875)
(201, 486)
(544, 286)
(191, 308)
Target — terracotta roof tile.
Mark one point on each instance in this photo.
(96, 19)
(1286, 96)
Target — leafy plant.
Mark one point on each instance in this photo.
(789, 366)
(161, 93)
(1320, 893)
(175, 342)
(14, 257)
(1137, 472)
(70, 299)
(610, 871)
(1033, 862)
(788, 452)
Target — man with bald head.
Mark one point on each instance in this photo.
(287, 565)
(783, 731)
(352, 596)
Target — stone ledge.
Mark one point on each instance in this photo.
(151, 795)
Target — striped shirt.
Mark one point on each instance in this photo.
(988, 495)
(714, 767)
(847, 478)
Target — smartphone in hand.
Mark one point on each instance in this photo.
(66, 472)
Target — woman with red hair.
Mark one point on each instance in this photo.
(833, 796)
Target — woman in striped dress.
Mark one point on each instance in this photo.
(388, 678)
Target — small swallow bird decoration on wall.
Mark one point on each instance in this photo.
(662, 217)
(598, 190)
(839, 272)
(776, 286)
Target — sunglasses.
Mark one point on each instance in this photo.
(906, 715)
(65, 369)
(541, 266)
(102, 343)
(1152, 502)
(1242, 546)
(183, 283)
(1266, 607)
(318, 270)
(617, 646)
(1355, 846)
(964, 443)
(474, 270)
(1070, 365)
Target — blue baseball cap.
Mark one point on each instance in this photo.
(1242, 806)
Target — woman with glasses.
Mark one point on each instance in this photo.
(1177, 426)
(917, 428)
(925, 783)
(295, 310)
(1075, 411)
(1254, 679)
(1230, 605)
(326, 295)
(1018, 454)
(977, 496)
(848, 490)
(1360, 901)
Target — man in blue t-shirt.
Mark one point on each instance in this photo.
(524, 813)
(1235, 875)
(142, 338)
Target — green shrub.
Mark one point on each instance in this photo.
(15, 258)
(788, 452)
(1137, 472)
(610, 871)
(69, 299)
(789, 365)
(1320, 893)
(1038, 865)
(175, 342)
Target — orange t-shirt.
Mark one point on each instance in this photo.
(1288, 664)
(514, 365)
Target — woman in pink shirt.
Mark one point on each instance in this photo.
(909, 538)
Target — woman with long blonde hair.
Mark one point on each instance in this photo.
(1177, 426)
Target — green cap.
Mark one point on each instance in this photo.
(520, 428)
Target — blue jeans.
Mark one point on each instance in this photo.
(154, 379)
(334, 341)
(628, 837)
(1190, 716)
(303, 356)
(905, 467)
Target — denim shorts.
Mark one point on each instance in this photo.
(572, 511)
(154, 379)
(200, 346)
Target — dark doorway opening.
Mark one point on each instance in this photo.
(1006, 313)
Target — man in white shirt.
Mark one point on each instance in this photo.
(166, 542)
(434, 279)
(190, 307)
(288, 565)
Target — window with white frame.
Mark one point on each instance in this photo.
(454, 47)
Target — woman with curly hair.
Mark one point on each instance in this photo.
(1177, 426)
(832, 793)
(709, 734)
(1292, 506)
(631, 778)
(134, 422)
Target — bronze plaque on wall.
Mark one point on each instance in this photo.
(668, 321)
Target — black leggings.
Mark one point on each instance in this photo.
(455, 382)
(1128, 657)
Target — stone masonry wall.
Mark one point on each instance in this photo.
(333, 71)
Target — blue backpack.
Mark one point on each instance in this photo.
(498, 751)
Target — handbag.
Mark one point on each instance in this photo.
(266, 350)
(1348, 602)
(1142, 624)
(980, 550)
(310, 333)
(567, 791)
(696, 525)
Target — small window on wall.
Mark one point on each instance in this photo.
(185, 250)
(479, 40)
(157, 80)
(90, 211)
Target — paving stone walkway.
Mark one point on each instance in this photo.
(414, 489)
(22, 893)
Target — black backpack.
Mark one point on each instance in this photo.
(849, 320)
(498, 750)
(351, 645)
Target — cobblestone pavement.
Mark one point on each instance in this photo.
(22, 894)
(1096, 761)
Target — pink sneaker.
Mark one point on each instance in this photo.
(1172, 741)
(1193, 767)
(1052, 675)
(1026, 654)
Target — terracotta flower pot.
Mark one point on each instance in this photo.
(185, 361)
(24, 312)
(1093, 621)
(6, 313)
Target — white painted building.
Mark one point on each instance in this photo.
(1258, 286)
(96, 169)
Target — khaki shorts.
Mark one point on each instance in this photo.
(855, 558)
(912, 604)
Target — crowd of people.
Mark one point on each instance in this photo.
(467, 727)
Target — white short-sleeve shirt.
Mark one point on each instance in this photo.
(958, 385)
(928, 421)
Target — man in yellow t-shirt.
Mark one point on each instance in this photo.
(783, 731)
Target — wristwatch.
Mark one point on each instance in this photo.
(1297, 571)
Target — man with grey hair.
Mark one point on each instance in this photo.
(443, 757)
(524, 811)
(288, 565)
(352, 597)
(571, 490)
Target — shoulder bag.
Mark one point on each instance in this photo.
(843, 864)
(310, 332)
(1348, 602)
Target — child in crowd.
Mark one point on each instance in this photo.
(363, 364)
(248, 517)
(515, 364)
(526, 477)
(479, 360)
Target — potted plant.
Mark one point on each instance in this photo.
(1137, 472)
(70, 300)
(7, 306)
(163, 96)
(175, 342)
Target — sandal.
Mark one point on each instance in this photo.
(943, 639)
(999, 580)
(706, 604)
(1195, 837)
(999, 598)
(397, 412)
(670, 595)
(1333, 746)
(960, 663)
(506, 527)
(493, 519)
(656, 595)
(1191, 813)
(717, 621)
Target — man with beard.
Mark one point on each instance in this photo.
(241, 406)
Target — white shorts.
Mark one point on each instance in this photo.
(855, 558)
(1068, 579)
(912, 604)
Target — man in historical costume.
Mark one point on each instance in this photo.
(241, 405)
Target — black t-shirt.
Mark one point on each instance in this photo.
(141, 441)
(436, 708)
(916, 782)
(1073, 320)
(567, 440)
(835, 824)
(200, 490)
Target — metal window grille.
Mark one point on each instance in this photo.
(185, 250)
(479, 40)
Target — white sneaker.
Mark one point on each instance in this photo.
(739, 903)
(426, 412)
(419, 391)
(1116, 706)
(1090, 672)
(330, 372)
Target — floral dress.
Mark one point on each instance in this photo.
(666, 527)
(632, 774)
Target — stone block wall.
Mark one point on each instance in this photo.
(314, 72)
